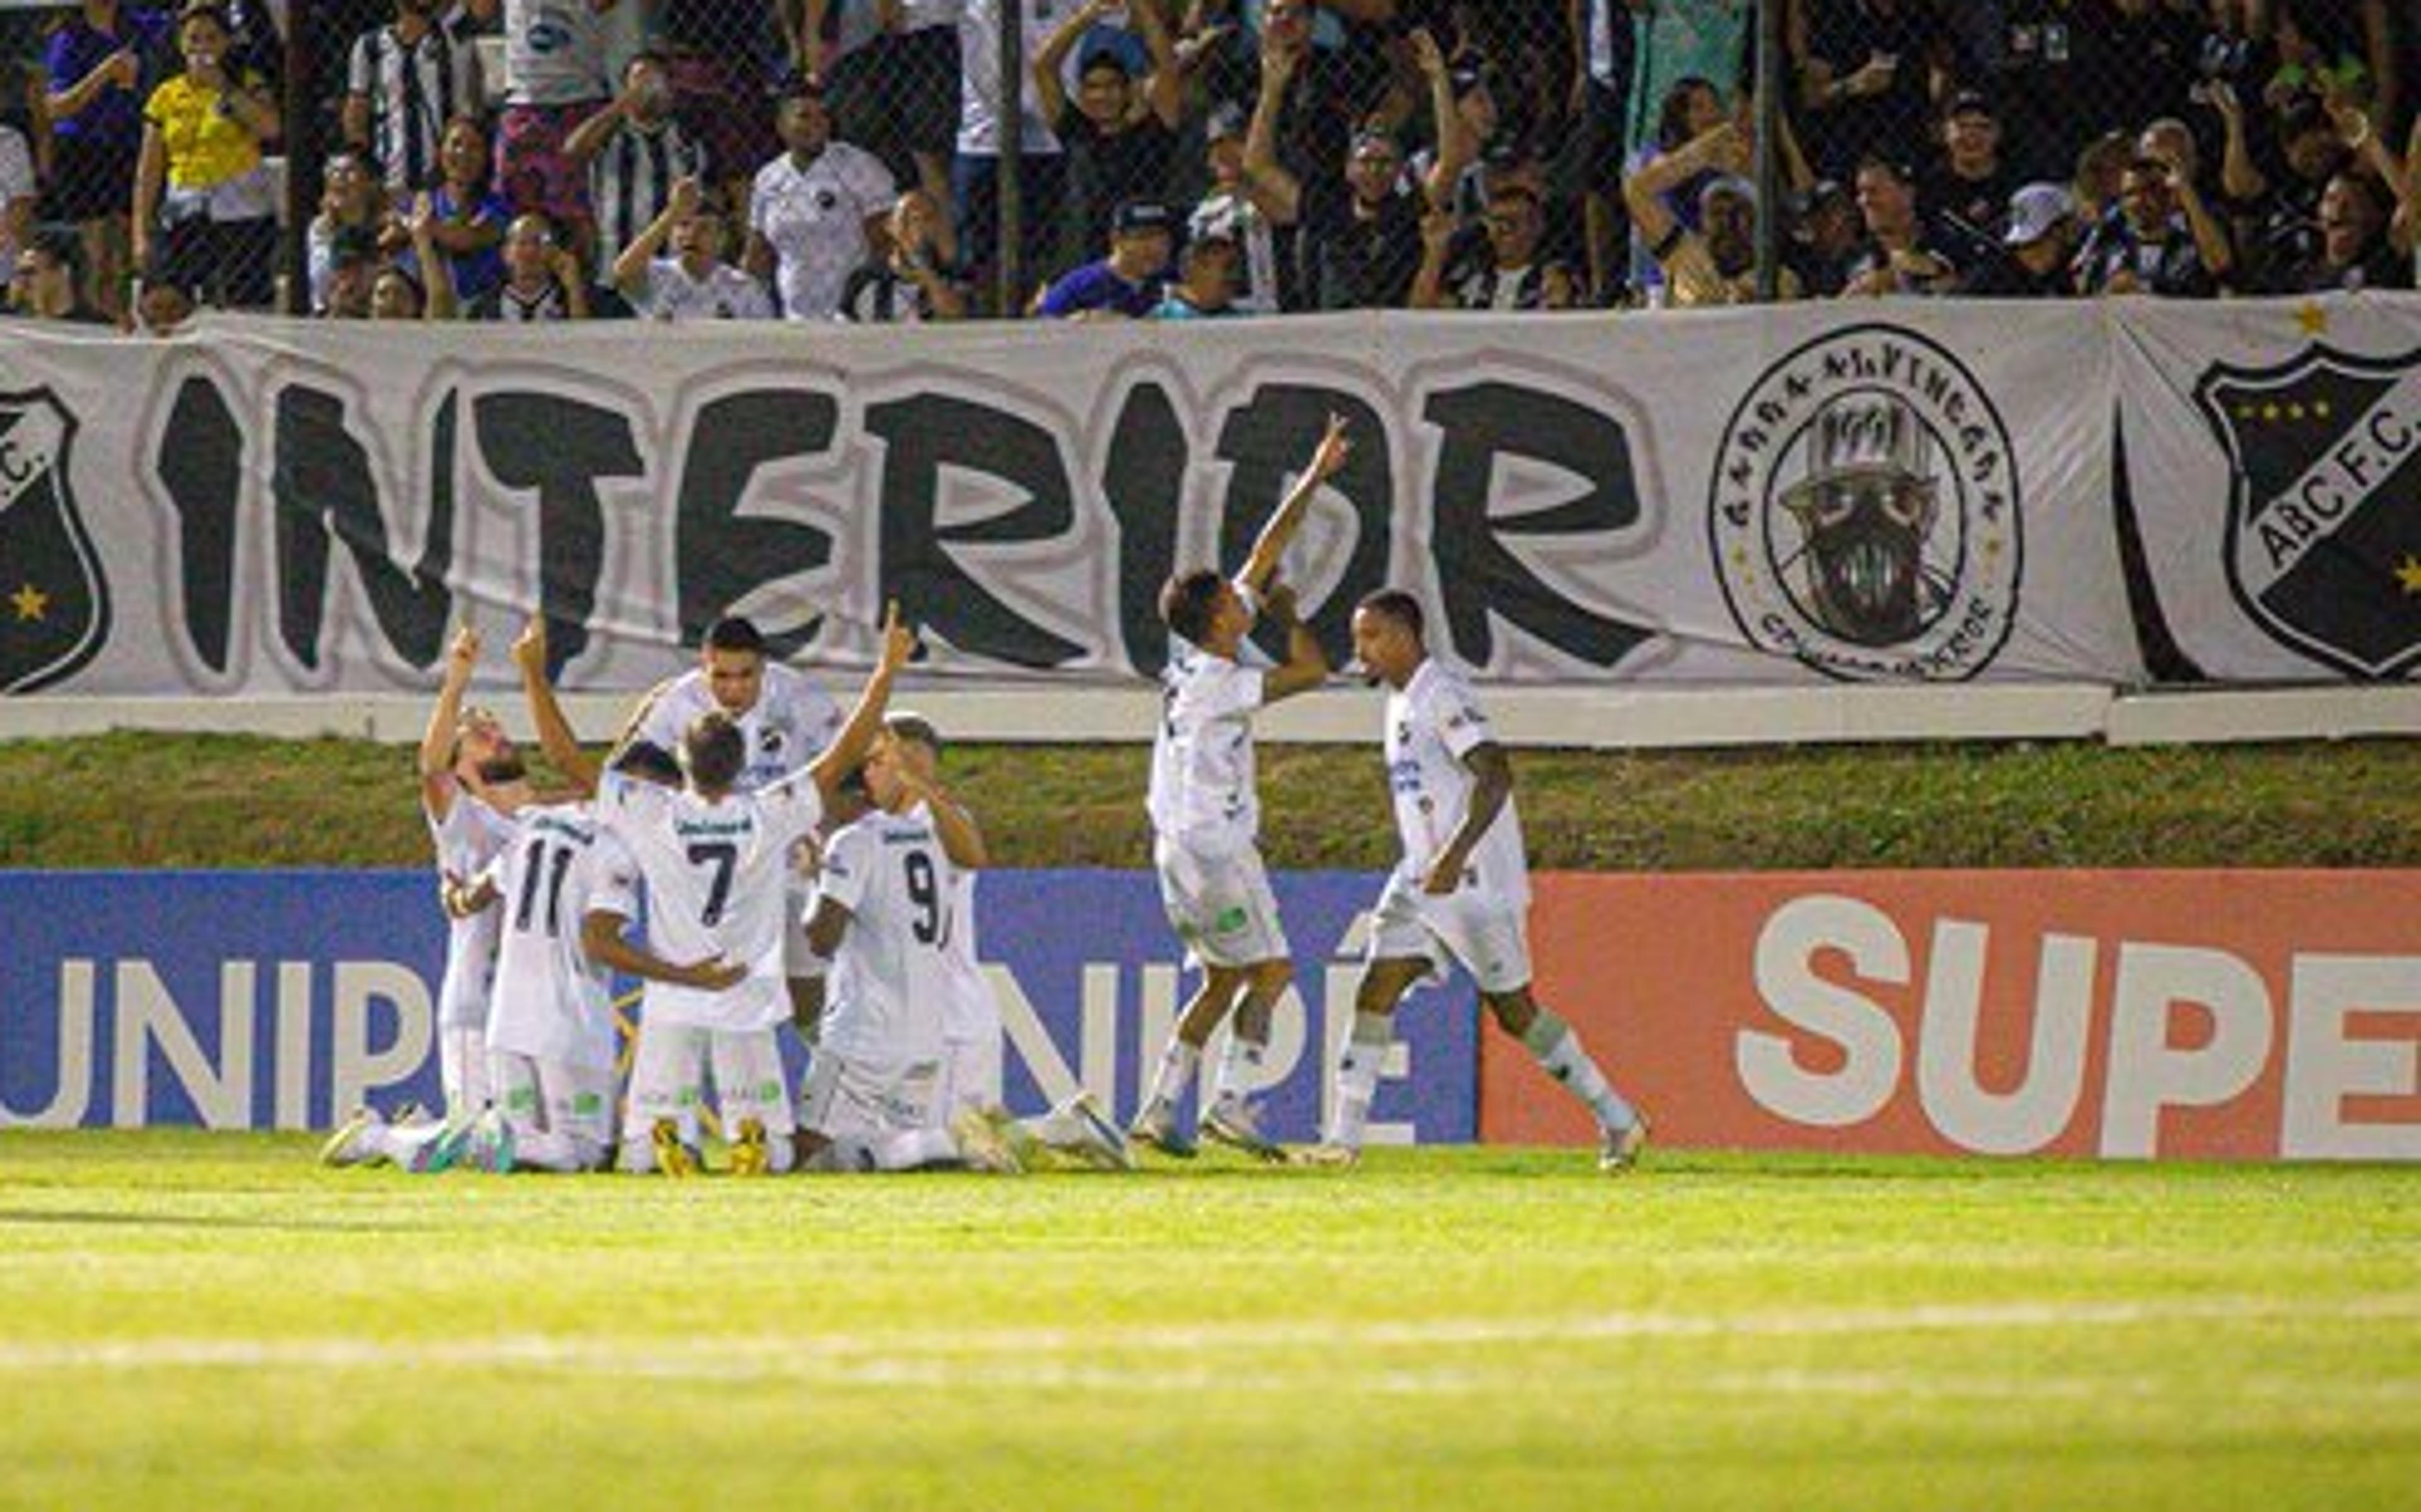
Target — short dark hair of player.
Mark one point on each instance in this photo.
(648, 762)
(906, 725)
(1397, 605)
(713, 751)
(735, 633)
(1186, 602)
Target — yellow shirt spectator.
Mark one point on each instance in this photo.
(207, 147)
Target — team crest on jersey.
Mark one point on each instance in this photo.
(1864, 513)
(770, 740)
(2323, 542)
(53, 596)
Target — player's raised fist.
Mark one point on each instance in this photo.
(529, 647)
(898, 641)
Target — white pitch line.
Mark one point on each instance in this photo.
(911, 1358)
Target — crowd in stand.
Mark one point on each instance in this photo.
(1186, 158)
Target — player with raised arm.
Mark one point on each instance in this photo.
(785, 719)
(717, 863)
(1206, 815)
(911, 753)
(1460, 893)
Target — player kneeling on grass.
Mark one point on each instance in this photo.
(905, 773)
(1462, 891)
(717, 863)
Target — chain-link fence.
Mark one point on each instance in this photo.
(857, 157)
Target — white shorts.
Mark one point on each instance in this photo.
(1488, 935)
(669, 1070)
(858, 1100)
(970, 1074)
(554, 1097)
(1221, 905)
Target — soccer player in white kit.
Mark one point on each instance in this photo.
(471, 780)
(1206, 815)
(717, 864)
(909, 754)
(1460, 893)
(786, 720)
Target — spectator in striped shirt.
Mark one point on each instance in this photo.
(406, 80)
(635, 150)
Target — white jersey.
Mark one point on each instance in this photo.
(814, 218)
(551, 1002)
(792, 722)
(1203, 793)
(891, 976)
(970, 1010)
(1434, 721)
(725, 293)
(555, 52)
(717, 875)
(466, 839)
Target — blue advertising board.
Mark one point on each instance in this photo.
(276, 999)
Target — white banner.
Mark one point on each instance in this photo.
(1880, 493)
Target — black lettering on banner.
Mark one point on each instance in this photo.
(1479, 574)
(1146, 489)
(324, 492)
(559, 448)
(924, 434)
(721, 557)
(200, 467)
(1270, 438)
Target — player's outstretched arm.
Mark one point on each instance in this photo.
(437, 742)
(857, 737)
(1306, 666)
(601, 936)
(1278, 533)
(554, 736)
(1493, 783)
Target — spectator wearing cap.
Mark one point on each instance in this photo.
(913, 273)
(694, 283)
(1907, 251)
(633, 151)
(2033, 258)
(1361, 230)
(1130, 280)
(1715, 264)
(1235, 208)
(816, 211)
(1204, 289)
(1868, 84)
(1119, 141)
(2147, 249)
(1969, 183)
(1511, 274)
(1826, 239)
(2355, 251)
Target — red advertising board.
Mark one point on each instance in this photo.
(2235, 1015)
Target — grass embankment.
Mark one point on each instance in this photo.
(143, 800)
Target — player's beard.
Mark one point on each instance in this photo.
(503, 769)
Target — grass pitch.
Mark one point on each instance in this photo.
(214, 1321)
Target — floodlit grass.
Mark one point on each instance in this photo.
(214, 1321)
(143, 800)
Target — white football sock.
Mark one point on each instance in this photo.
(1558, 1048)
(1357, 1076)
(1176, 1073)
(1239, 1067)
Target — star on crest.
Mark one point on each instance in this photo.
(30, 602)
(2312, 317)
(2408, 574)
